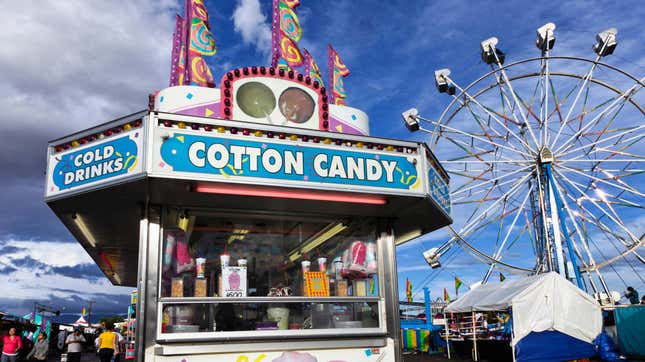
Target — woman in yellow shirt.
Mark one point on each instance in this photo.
(107, 343)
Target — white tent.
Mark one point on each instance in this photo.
(80, 322)
(544, 302)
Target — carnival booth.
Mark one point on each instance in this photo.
(256, 217)
(250, 240)
(550, 318)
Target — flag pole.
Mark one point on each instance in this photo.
(445, 321)
(474, 334)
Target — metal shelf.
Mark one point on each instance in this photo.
(250, 300)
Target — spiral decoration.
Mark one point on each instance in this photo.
(282, 64)
(199, 10)
(201, 40)
(289, 23)
(290, 3)
(339, 85)
(290, 52)
(201, 72)
(340, 66)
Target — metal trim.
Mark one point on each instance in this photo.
(284, 129)
(98, 128)
(190, 349)
(270, 334)
(97, 186)
(261, 300)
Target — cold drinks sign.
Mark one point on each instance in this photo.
(226, 158)
(114, 158)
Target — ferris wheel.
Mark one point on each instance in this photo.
(547, 162)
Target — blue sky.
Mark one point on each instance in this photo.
(71, 65)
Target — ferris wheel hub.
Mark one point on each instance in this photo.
(546, 156)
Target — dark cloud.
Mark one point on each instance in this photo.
(6, 269)
(80, 271)
(29, 263)
(10, 249)
(70, 308)
(102, 61)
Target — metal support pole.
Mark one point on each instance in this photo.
(558, 201)
(428, 303)
(89, 312)
(474, 336)
(445, 321)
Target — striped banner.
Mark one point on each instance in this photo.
(416, 339)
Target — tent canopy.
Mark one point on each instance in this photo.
(543, 302)
(80, 322)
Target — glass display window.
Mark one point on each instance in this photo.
(232, 271)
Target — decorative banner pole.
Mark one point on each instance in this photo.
(311, 68)
(337, 71)
(192, 40)
(285, 33)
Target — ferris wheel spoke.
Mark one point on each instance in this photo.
(465, 146)
(497, 253)
(575, 100)
(580, 116)
(515, 98)
(493, 180)
(478, 119)
(544, 136)
(621, 133)
(491, 114)
(479, 190)
(605, 196)
(623, 98)
(622, 226)
(606, 230)
(619, 152)
(505, 100)
(483, 215)
(624, 188)
(556, 104)
(512, 149)
(576, 228)
(597, 222)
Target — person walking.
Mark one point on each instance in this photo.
(75, 343)
(11, 345)
(40, 349)
(108, 344)
(632, 295)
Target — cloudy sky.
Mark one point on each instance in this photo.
(69, 65)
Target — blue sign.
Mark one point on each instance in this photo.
(228, 158)
(439, 190)
(98, 162)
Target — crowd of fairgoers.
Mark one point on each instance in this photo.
(23, 341)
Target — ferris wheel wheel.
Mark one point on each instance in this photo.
(547, 162)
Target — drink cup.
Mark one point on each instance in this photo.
(322, 264)
(241, 262)
(306, 265)
(338, 266)
(200, 267)
(224, 259)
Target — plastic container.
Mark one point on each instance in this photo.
(279, 315)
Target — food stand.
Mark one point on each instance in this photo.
(247, 238)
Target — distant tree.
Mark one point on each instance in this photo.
(113, 319)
